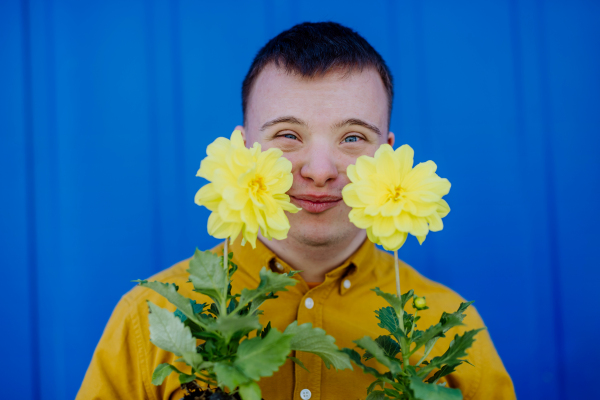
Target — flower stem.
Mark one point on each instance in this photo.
(398, 292)
(223, 309)
(225, 255)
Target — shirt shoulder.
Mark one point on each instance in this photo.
(176, 274)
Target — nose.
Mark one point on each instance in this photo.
(319, 165)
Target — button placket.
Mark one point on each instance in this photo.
(309, 303)
(312, 381)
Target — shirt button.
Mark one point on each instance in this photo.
(347, 284)
(279, 266)
(305, 394)
(309, 303)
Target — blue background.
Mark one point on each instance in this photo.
(106, 108)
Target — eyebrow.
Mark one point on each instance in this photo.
(359, 122)
(288, 118)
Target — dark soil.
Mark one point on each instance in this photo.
(194, 392)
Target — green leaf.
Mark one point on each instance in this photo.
(376, 395)
(438, 330)
(169, 291)
(168, 332)
(389, 319)
(445, 370)
(389, 346)
(316, 341)
(374, 384)
(229, 325)
(457, 349)
(266, 330)
(198, 308)
(392, 299)
(161, 372)
(372, 347)
(258, 357)
(461, 309)
(356, 359)
(185, 378)
(230, 376)
(298, 362)
(428, 391)
(250, 391)
(270, 282)
(208, 275)
(392, 393)
(195, 361)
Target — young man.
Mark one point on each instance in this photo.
(323, 95)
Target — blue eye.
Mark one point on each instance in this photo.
(290, 136)
(351, 139)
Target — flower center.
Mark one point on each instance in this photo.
(395, 194)
(258, 185)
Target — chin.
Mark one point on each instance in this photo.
(322, 233)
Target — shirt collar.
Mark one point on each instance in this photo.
(362, 260)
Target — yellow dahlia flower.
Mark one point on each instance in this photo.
(247, 190)
(390, 198)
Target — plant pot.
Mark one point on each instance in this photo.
(195, 392)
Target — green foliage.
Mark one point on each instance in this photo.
(258, 357)
(403, 380)
(427, 391)
(224, 343)
(168, 332)
(315, 340)
(209, 277)
(161, 372)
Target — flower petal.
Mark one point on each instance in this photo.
(419, 226)
(365, 167)
(387, 169)
(237, 139)
(435, 222)
(208, 197)
(403, 222)
(391, 208)
(443, 208)
(358, 217)
(249, 218)
(394, 241)
(418, 173)
(383, 226)
(405, 156)
(372, 236)
(351, 197)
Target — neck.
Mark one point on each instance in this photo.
(314, 261)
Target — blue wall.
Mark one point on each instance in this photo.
(106, 108)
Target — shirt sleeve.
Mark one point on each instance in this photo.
(118, 365)
(487, 379)
(495, 382)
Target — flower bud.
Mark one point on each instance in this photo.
(419, 303)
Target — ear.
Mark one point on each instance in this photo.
(241, 129)
(390, 140)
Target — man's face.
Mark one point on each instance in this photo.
(322, 125)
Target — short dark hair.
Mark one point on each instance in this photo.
(310, 49)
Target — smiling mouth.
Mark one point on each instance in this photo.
(315, 204)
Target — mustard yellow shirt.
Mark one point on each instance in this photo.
(343, 305)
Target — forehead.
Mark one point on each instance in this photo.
(339, 94)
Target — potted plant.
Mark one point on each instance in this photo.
(221, 341)
(390, 199)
